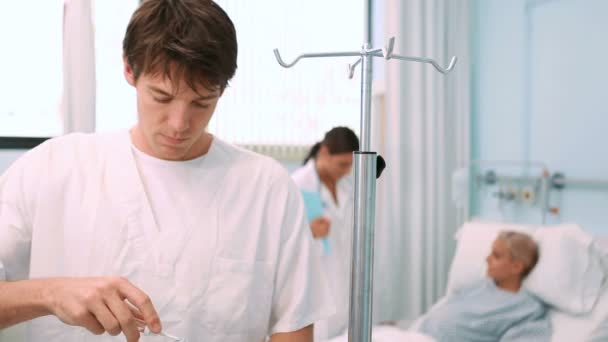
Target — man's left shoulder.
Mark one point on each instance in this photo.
(253, 165)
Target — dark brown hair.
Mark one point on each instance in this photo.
(338, 140)
(193, 40)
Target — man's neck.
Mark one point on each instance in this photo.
(199, 148)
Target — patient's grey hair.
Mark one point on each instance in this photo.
(522, 248)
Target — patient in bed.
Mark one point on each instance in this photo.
(497, 308)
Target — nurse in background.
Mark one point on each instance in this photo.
(325, 171)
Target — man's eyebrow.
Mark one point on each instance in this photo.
(207, 97)
(159, 90)
(200, 98)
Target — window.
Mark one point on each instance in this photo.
(265, 103)
(32, 68)
(268, 104)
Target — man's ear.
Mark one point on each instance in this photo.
(128, 72)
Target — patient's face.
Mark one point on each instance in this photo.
(501, 265)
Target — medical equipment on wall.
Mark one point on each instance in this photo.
(527, 185)
(368, 167)
(514, 185)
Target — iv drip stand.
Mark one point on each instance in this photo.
(365, 161)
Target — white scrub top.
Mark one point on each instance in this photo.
(337, 264)
(76, 207)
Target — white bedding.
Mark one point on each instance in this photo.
(591, 327)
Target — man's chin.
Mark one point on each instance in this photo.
(172, 152)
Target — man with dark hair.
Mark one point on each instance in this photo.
(164, 229)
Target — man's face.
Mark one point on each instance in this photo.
(171, 122)
(501, 265)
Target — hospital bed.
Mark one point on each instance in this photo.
(570, 277)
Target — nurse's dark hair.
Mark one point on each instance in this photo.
(190, 40)
(337, 140)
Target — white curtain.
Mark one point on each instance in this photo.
(79, 67)
(422, 129)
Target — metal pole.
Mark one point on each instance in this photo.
(362, 270)
(368, 13)
(366, 100)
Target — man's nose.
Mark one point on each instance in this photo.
(178, 119)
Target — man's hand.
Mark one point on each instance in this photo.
(320, 227)
(109, 304)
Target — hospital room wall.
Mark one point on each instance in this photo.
(534, 99)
